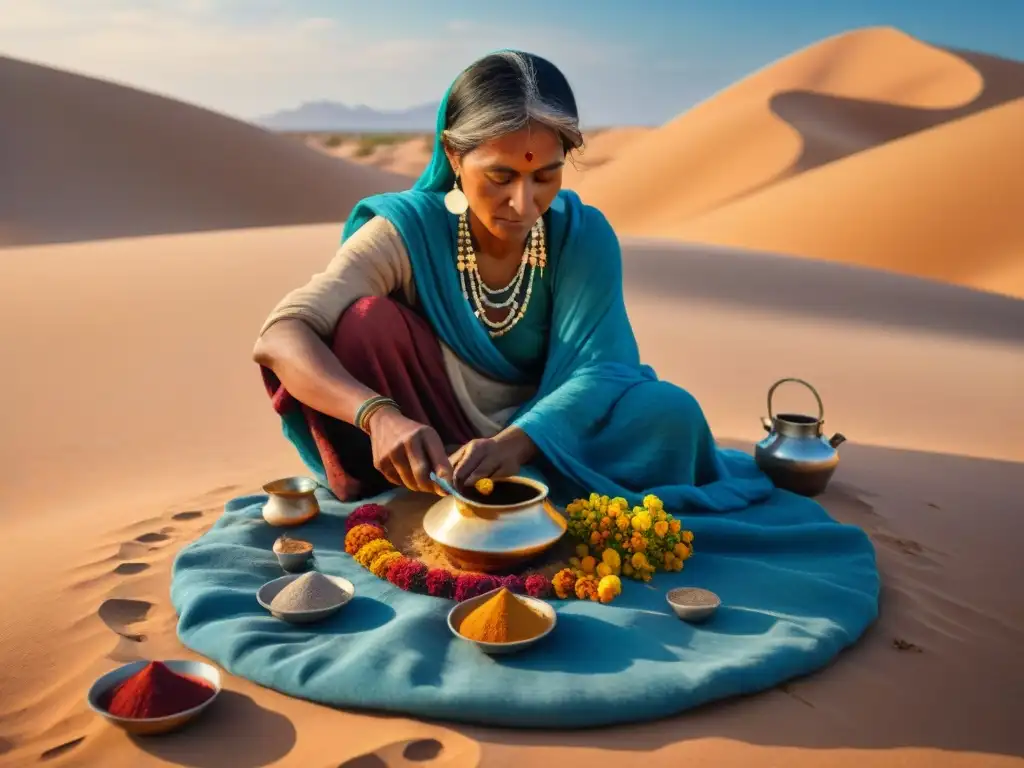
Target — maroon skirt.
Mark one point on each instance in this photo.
(393, 351)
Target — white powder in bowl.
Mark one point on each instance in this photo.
(310, 592)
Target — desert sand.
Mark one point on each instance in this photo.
(868, 148)
(134, 412)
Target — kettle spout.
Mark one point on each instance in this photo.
(766, 423)
(837, 439)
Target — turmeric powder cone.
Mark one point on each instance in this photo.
(504, 618)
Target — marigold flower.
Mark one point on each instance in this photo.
(627, 570)
(609, 588)
(611, 557)
(653, 503)
(360, 535)
(537, 585)
(484, 486)
(564, 582)
(688, 536)
(588, 564)
(409, 575)
(366, 513)
(674, 526)
(381, 563)
(661, 528)
(473, 585)
(586, 588)
(595, 537)
(603, 569)
(370, 550)
(639, 561)
(622, 522)
(440, 583)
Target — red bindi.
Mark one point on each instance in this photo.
(529, 156)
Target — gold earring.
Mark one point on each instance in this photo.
(455, 201)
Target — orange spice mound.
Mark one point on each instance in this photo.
(503, 619)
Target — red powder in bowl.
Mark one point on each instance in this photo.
(156, 690)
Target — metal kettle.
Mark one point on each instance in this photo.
(796, 455)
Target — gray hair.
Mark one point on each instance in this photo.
(505, 92)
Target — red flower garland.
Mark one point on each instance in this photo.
(410, 575)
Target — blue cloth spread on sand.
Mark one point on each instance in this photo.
(796, 588)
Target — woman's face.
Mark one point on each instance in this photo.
(512, 180)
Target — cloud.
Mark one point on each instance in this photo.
(249, 57)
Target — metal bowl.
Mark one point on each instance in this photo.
(686, 607)
(487, 537)
(152, 725)
(266, 594)
(290, 501)
(459, 612)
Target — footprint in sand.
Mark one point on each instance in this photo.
(190, 515)
(120, 613)
(153, 537)
(60, 749)
(129, 569)
(401, 753)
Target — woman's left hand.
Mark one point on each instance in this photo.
(484, 457)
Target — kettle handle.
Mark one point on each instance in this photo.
(771, 392)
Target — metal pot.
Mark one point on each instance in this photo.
(488, 537)
(796, 455)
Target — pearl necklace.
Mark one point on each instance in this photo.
(480, 295)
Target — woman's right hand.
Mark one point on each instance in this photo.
(406, 452)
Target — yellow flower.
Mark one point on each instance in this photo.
(609, 588)
(639, 561)
(662, 515)
(661, 528)
(574, 507)
(614, 510)
(485, 486)
(603, 569)
(611, 557)
(688, 536)
(674, 526)
(582, 551)
(366, 554)
(627, 570)
(381, 563)
(586, 588)
(564, 583)
(622, 522)
(574, 562)
(588, 564)
(652, 502)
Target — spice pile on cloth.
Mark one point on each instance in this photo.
(503, 618)
(156, 690)
(310, 592)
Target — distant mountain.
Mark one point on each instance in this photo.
(334, 116)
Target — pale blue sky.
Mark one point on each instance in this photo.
(630, 62)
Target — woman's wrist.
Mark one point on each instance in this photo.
(518, 443)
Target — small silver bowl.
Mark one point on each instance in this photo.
(294, 562)
(152, 725)
(291, 501)
(266, 594)
(692, 603)
(461, 610)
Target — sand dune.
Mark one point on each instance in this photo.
(152, 416)
(87, 159)
(860, 139)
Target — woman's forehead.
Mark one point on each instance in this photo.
(531, 147)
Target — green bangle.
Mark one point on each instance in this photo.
(370, 407)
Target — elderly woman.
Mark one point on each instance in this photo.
(474, 326)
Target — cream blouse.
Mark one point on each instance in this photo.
(374, 262)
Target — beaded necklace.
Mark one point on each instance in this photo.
(480, 295)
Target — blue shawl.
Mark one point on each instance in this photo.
(593, 359)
